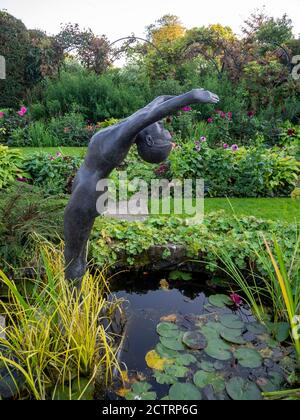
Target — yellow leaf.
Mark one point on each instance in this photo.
(169, 318)
(154, 361)
(164, 285)
(122, 392)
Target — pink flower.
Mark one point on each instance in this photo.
(222, 115)
(203, 139)
(58, 155)
(186, 109)
(229, 115)
(210, 120)
(236, 299)
(1, 114)
(251, 114)
(22, 111)
(234, 147)
(226, 146)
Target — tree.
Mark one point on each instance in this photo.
(92, 51)
(14, 47)
(164, 30)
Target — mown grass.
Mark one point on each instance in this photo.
(67, 151)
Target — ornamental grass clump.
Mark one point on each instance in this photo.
(55, 344)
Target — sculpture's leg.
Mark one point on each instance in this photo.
(80, 215)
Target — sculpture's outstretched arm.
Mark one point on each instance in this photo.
(161, 108)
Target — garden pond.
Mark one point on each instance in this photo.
(187, 339)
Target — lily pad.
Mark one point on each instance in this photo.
(207, 366)
(256, 328)
(219, 350)
(177, 371)
(203, 379)
(184, 392)
(240, 389)
(194, 340)
(185, 359)
(166, 353)
(154, 361)
(232, 336)
(141, 391)
(163, 378)
(232, 322)
(220, 301)
(248, 358)
(173, 343)
(167, 329)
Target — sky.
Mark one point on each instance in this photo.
(117, 18)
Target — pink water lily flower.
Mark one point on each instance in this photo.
(236, 299)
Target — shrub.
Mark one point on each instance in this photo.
(71, 130)
(253, 172)
(54, 174)
(10, 166)
(9, 122)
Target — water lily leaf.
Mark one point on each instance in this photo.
(207, 366)
(163, 378)
(219, 350)
(240, 389)
(194, 340)
(232, 336)
(256, 328)
(281, 331)
(220, 301)
(232, 322)
(177, 371)
(271, 384)
(141, 391)
(166, 353)
(172, 343)
(211, 330)
(185, 360)
(184, 392)
(154, 361)
(167, 329)
(203, 379)
(248, 358)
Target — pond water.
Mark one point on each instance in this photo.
(161, 314)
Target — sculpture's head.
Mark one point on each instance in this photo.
(154, 143)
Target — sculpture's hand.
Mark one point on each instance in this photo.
(204, 96)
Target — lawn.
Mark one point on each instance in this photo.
(68, 151)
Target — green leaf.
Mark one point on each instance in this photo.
(163, 378)
(256, 328)
(217, 349)
(203, 379)
(173, 343)
(180, 275)
(207, 366)
(166, 353)
(167, 329)
(248, 358)
(177, 371)
(140, 391)
(232, 336)
(185, 360)
(240, 389)
(194, 340)
(220, 301)
(184, 392)
(232, 322)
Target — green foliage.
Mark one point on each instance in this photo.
(253, 172)
(54, 174)
(10, 166)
